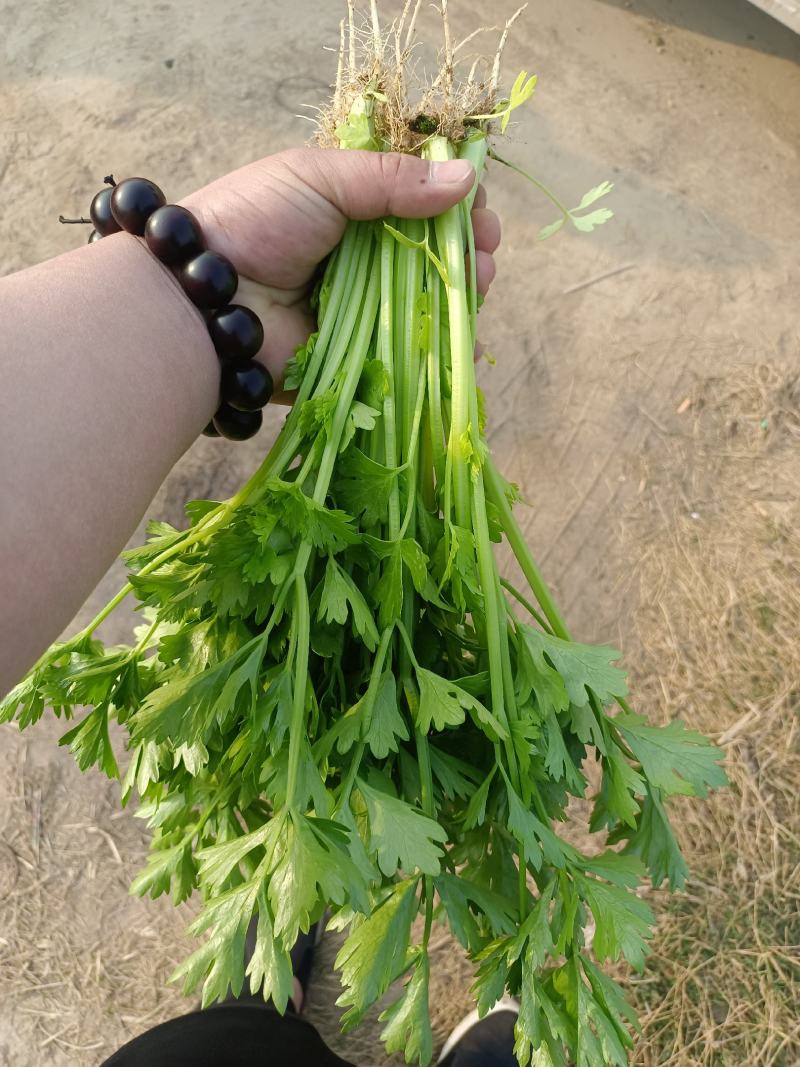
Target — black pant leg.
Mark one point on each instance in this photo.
(234, 1035)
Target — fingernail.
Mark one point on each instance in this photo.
(450, 172)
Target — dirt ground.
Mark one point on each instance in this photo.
(689, 106)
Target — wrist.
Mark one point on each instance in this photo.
(185, 372)
(235, 226)
(108, 376)
(209, 279)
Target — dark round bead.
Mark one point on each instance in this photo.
(100, 213)
(173, 234)
(210, 430)
(94, 236)
(133, 201)
(246, 386)
(237, 425)
(209, 280)
(236, 331)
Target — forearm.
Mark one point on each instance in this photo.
(108, 375)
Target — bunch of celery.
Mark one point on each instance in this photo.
(337, 703)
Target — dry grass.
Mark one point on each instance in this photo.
(83, 966)
(719, 595)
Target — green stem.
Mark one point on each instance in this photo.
(412, 451)
(343, 272)
(407, 642)
(302, 622)
(221, 796)
(500, 673)
(434, 374)
(375, 676)
(193, 536)
(513, 713)
(487, 572)
(426, 933)
(451, 249)
(397, 297)
(290, 438)
(426, 800)
(523, 600)
(470, 503)
(473, 275)
(100, 617)
(410, 351)
(522, 552)
(311, 461)
(356, 356)
(427, 803)
(301, 625)
(538, 803)
(385, 352)
(447, 509)
(534, 181)
(425, 773)
(142, 645)
(352, 774)
(409, 370)
(606, 722)
(505, 656)
(474, 148)
(280, 599)
(427, 483)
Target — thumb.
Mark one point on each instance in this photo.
(278, 217)
(369, 185)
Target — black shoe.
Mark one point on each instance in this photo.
(486, 1042)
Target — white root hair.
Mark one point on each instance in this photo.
(499, 54)
(383, 65)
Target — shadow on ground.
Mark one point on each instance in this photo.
(737, 22)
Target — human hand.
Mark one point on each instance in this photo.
(276, 219)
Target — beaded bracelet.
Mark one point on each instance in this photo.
(209, 279)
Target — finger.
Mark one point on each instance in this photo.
(369, 185)
(278, 217)
(485, 271)
(480, 196)
(486, 226)
(284, 329)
